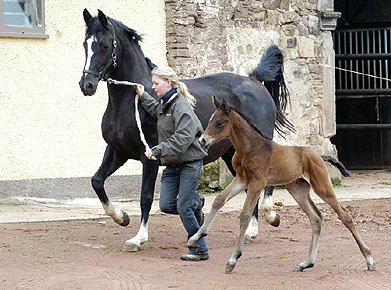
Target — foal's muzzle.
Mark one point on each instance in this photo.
(205, 144)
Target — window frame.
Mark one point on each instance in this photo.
(24, 31)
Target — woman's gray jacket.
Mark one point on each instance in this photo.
(178, 129)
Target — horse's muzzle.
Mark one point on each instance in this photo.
(203, 142)
(88, 84)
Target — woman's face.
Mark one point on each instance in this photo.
(160, 86)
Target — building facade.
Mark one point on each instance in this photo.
(51, 141)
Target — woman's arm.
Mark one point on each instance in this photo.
(148, 102)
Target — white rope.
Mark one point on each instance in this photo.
(138, 120)
(352, 71)
(115, 82)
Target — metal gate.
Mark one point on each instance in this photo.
(363, 136)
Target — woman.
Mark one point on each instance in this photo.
(179, 150)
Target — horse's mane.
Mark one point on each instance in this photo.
(131, 34)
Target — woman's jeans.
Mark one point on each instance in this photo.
(178, 196)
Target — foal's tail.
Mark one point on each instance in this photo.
(337, 164)
(270, 71)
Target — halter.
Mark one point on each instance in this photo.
(112, 62)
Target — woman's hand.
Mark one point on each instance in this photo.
(149, 155)
(139, 89)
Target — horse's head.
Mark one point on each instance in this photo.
(219, 124)
(101, 48)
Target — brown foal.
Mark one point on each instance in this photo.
(259, 162)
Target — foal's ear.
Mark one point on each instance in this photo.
(87, 16)
(225, 107)
(215, 102)
(102, 18)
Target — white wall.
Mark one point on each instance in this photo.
(48, 128)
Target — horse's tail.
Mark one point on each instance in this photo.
(270, 71)
(337, 164)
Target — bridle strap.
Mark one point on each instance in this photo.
(111, 64)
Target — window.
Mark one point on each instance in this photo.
(22, 18)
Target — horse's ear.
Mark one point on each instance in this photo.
(87, 16)
(215, 102)
(225, 106)
(102, 18)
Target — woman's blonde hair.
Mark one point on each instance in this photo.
(167, 73)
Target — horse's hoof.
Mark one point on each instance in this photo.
(190, 243)
(301, 267)
(131, 247)
(126, 219)
(276, 221)
(229, 268)
(371, 266)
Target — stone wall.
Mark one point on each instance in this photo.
(209, 36)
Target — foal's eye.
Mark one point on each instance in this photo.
(219, 123)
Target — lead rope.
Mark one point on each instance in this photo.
(138, 120)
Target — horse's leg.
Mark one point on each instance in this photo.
(300, 191)
(111, 162)
(254, 190)
(252, 230)
(150, 171)
(323, 188)
(235, 187)
(267, 207)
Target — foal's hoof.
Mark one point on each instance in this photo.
(229, 268)
(125, 218)
(276, 221)
(371, 266)
(301, 267)
(131, 247)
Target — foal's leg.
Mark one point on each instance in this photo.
(253, 193)
(325, 191)
(300, 191)
(111, 162)
(236, 186)
(252, 230)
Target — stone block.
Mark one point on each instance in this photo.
(289, 30)
(259, 16)
(284, 4)
(291, 42)
(303, 31)
(272, 17)
(328, 20)
(313, 23)
(291, 16)
(306, 47)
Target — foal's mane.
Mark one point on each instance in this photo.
(246, 125)
(134, 38)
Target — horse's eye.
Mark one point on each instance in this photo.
(220, 123)
(106, 47)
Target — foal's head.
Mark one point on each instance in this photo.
(219, 124)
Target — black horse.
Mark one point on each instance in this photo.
(113, 51)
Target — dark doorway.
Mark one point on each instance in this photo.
(362, 43)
